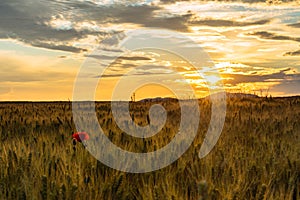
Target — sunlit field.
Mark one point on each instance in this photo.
(256, 157)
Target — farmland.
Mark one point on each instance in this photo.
(256, 157)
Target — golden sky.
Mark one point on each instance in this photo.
(43, 45)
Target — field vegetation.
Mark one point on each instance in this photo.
(256, 157)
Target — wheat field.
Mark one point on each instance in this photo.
(256, 157)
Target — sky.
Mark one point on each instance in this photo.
(254, 47)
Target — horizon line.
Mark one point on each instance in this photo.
(151, 98)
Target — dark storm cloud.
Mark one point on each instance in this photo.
(273, 36)
(226, 23)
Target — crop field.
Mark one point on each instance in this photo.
(256, 157)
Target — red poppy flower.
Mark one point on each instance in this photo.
(80, 136)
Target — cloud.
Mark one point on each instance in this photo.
(135, 71)
(292, 53)
(143, 15)
(32, 22)
(25, 21)
(58, 47)
(290, 87)
(42, 24)
(137, 74)
(280, 76)
(296, 25)
(134, 58)
(226, 23)
(58, 24)
(273, 36)
(244, 1)
(131, 58)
